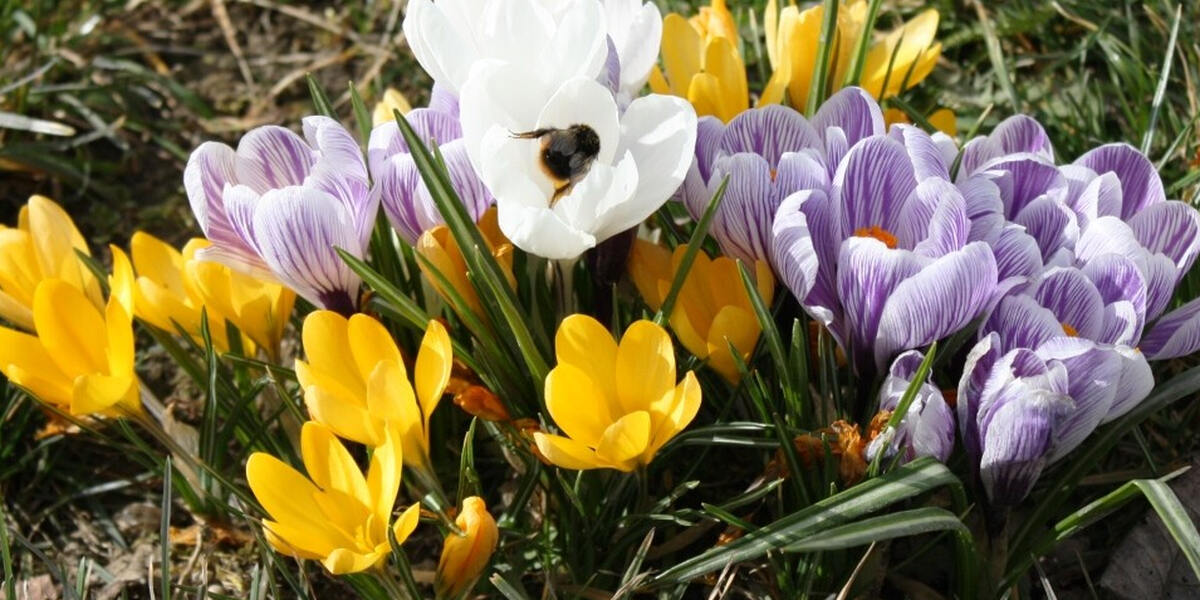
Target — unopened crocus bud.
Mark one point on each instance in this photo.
(465, 556)
(927, 428)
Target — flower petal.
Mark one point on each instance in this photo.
(1140, 182)
(645, 366)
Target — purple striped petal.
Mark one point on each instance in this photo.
(925, 154)
(1099, 197)
(335, 146)
(822, 300)
(872, 184)
(297, 230)
(1019, 414)
(984, 207)
(353, 194)
(852, 111)
(1070, 295)
(272, 157)
(742, 225)
(867, 276)
(1140, 182)
(1016, 134)
(1031, 176)
(1051, 223)
(1020, 322)
(941, 229)
(1171, 228)
(1137, 381)
(709, 131)
(792, 253)
(769, 132)
(209, 169)
(927, 428)
(940, 299)
(1161, 276)
(396, 184)
(386, 140)
(443, 100)
(1094, 374)
(1176, 334)
(800, 171)
(977, 370)
(1123, 291)
(1017, 254)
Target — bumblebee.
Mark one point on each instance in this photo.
(566, 154)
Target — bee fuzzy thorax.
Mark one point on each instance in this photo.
(566, 154)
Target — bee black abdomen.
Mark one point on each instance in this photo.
(566, 153)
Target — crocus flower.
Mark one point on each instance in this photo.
(259, 309)
(465, 556)
(279, 206)
(387, 106)
(893, 267)
(616, 404)
(769, 153)
(450, 37)
(443, 255)
(641, 157)
(164, 294)
(702, 62)
(398, 183)
(927, 428)
(42, 246)
(899, 61)
(355, 381)
(79, 359)
(1020, 409)
(713, 309)
(336, 514)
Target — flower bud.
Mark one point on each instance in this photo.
(465, 556)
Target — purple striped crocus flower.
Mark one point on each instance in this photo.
(278, 206)
(397, 183)
(883, 258)
(927, 428)
(769, 153)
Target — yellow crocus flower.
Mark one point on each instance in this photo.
(438, 247)
(392, 101)
(336, 514)
(712, 309)
(793, 35)
(259, 309)
(703, 63)
(165, 296)
(616, 403)
(80, 359)
(40, 247)
(355, 381)
(465, 556)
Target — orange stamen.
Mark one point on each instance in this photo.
(878, 233)
(1071, 331)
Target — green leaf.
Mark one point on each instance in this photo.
(875, 529)
(906, 401)
(695, 242)
(820, 76)
(319, 99)
(1161, 91)
(996, 55)
(362, 117)
(872, 495)
(859, 59)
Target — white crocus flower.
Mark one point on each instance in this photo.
(642, 157)
(552, 41)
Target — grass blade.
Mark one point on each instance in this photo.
(876, 529)
(1161, 91)
(820, 76)
(689, 255)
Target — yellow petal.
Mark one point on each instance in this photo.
(625, 440)
(434, 362)
(329, 464)
(301, 539)
(585, 344)
(371, 344)
(392, 101)
(565, 452)
(282, 546)
(771, 28)
(689, 333)
(649, 264)
(122, 283)
(383, 482)
(464, 557)
(800, 32)
(945, 121)
(283, 492)
(343, 561)
(736, 326)
(68, 325)
(577, 404)
(345, 417)
(704, 92)
(96, 393)
(55, 240)
(908, 43)
(327, 346)
(157, 260)
(120, 345)
(393, 406)
(658, 83)
(684, 406)
(645, 365)
(681, 52)
(721, 60)
(406, 523)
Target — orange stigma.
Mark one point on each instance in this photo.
(878, 233)
(1071, 331)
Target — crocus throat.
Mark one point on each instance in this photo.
(1070, 331)
(878, 233)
